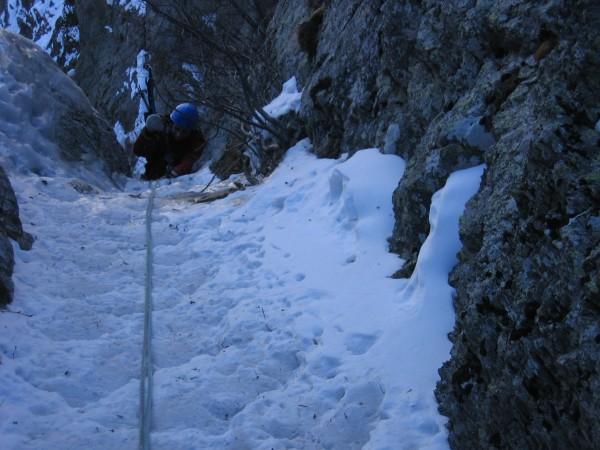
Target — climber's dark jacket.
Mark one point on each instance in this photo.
(166, 155)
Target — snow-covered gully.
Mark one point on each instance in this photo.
(275, 322)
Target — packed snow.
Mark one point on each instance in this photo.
(30, 111)
(276, 324)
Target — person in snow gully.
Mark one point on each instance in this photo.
(171, 144)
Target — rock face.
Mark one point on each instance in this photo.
(110, 39)
(37, 97)
(525, 365)
(449, 85)
(10, 227)
(6, 269)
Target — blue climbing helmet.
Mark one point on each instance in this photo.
(185, 116)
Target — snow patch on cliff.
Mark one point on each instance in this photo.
(288, 100)
(137, 85)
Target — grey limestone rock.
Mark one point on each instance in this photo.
(10, 228)
(526, 341)
(110, 40)
(514, 85)
(10, 223)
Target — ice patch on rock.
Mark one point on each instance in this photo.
(470, 131)
(138, 87)
(391, 139)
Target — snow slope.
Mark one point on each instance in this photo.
(276, 324)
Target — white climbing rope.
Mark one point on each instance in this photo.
(147, 367)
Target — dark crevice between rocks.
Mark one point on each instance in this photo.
(527, 325)
(308, 32)
(500, 92)
(464, 378)
(321, 85)
(485, 307)
(500, 45)
(547, 40)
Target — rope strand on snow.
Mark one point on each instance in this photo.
(147, 368)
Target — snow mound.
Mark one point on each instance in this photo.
(47, 126)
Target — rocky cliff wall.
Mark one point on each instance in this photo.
(452, 84)
(525, 369)
(111, 38)
(10, 228)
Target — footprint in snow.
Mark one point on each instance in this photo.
(325, 367)
(247, 247)
(350, 259)
(429, 427)
(359, 344)
(278, 204)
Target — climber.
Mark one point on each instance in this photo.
(171, 144)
